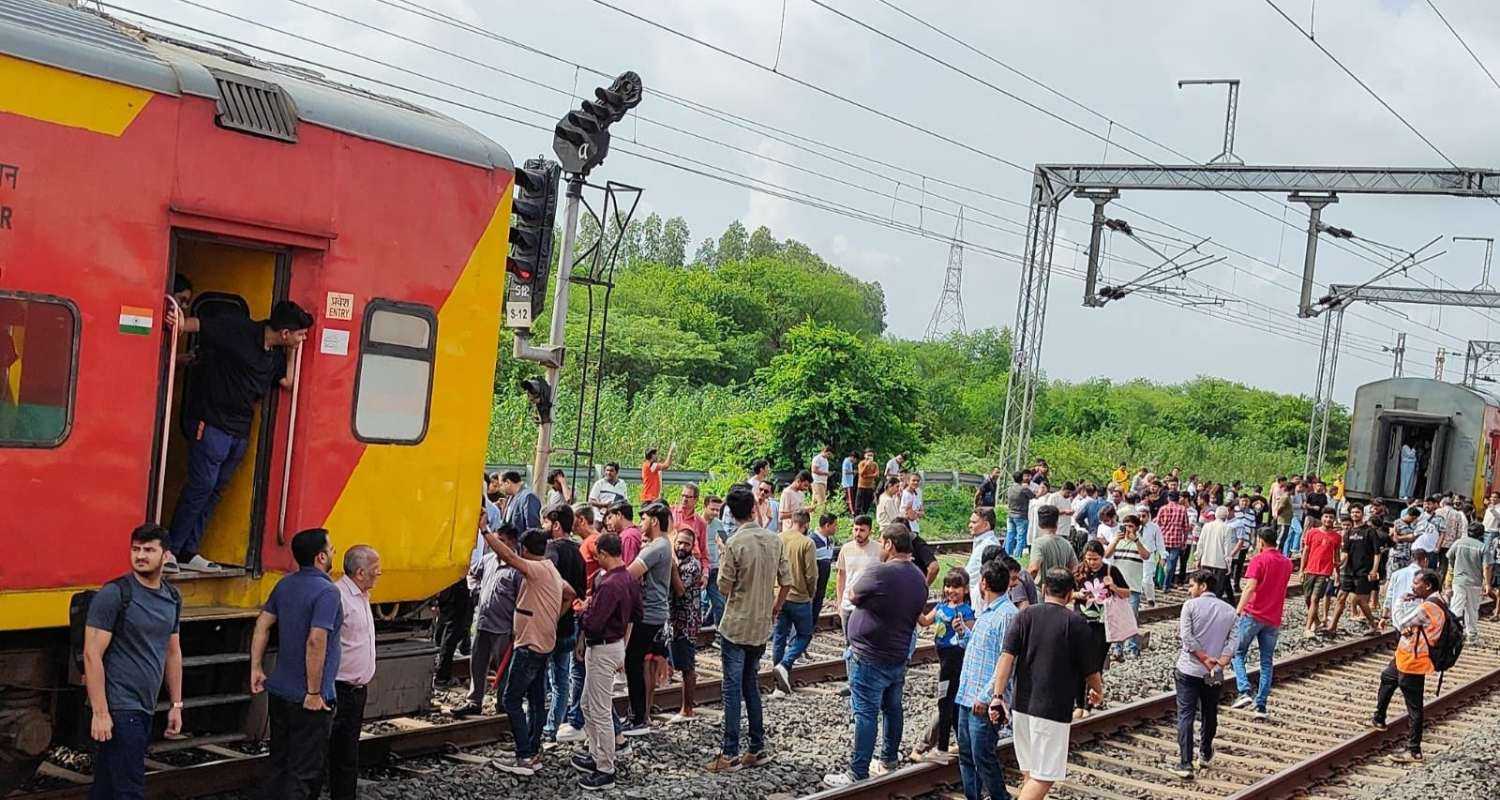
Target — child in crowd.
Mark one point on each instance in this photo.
(950, 621)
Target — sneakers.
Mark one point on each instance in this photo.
(841, 780)
(201, 564)
(676, 719)
(1261, 713)
(583, 762)
(567, 733)
(637, 729)
(723, 764)
(1183, 771)
(783, 678)
(777, 694)
(1406, 757)
(597, 781)
(1243, 701)
(518, 766)
(465, 710)
(878, 768)
(1376, 724)
(757, 759)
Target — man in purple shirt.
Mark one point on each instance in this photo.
(1208, 634)
(612, 607)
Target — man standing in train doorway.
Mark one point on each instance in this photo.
(238, 361)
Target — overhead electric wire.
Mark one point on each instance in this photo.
(1362, 84)
(886, 115)
(1465, 44)
(760, 128)
(767, 188)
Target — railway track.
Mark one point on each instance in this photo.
(1320, 705)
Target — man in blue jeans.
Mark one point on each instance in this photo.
(978, 763)
(1017, 507)
(130, 644)
(794, 625)
(754, 578)
(238, 360)
(888, 597)
(544, 595)
(1264, 587)
(565, 554)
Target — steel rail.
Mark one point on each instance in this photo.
(228, 774)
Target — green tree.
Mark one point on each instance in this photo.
(829, 386)
(674, 242)
(652, 248)
(763, 244)
(707, 253)
(733, 243)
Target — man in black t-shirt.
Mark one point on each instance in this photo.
(565, 553)
(1050, 651)
(1359, 568)
(238, 360)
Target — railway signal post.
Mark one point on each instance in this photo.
(580, 142)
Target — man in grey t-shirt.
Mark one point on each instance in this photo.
(1048, 550)
(125, 659)
(654, 566)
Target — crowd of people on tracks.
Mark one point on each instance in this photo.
(563, 600)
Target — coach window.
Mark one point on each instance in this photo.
(393, 388)
(38, 369)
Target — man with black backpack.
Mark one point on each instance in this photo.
(1431, 640)
(130, 644)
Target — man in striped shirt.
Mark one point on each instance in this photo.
(1174, 524)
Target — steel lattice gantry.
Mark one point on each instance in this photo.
(1316, 186)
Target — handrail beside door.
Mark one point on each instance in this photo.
(166, 411)
(291, 438)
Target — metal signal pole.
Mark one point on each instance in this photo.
(541, 460)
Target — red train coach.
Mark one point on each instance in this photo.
(127, 158)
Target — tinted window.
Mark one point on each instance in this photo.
(38, 349)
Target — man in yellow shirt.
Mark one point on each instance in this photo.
(1120, 475)
(794, 625)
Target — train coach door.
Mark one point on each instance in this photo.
(228, 278)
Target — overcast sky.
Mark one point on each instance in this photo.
(1105, 61)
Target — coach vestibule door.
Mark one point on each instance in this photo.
(228, 277)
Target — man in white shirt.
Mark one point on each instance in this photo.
(794, 497)
(1400, 586)
(895, 466)
(1155, 551)
(912, 508)
(1216, 545)
(820, 474)
(1039, 497)
(982, 528)
(1062, 500)
(609, 489)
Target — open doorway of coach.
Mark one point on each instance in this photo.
(1411, 456)
(228, 277)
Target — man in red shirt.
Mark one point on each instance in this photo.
(1260, 609)
(1319, 554)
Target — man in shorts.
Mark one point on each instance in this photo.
(1319, 553)
(685, 619)
(1359, 569)
(1050, 651)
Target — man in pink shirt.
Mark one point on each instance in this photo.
(1259, 611)
(685, 515)
(356, 668)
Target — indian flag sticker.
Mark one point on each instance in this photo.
(135, 320)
